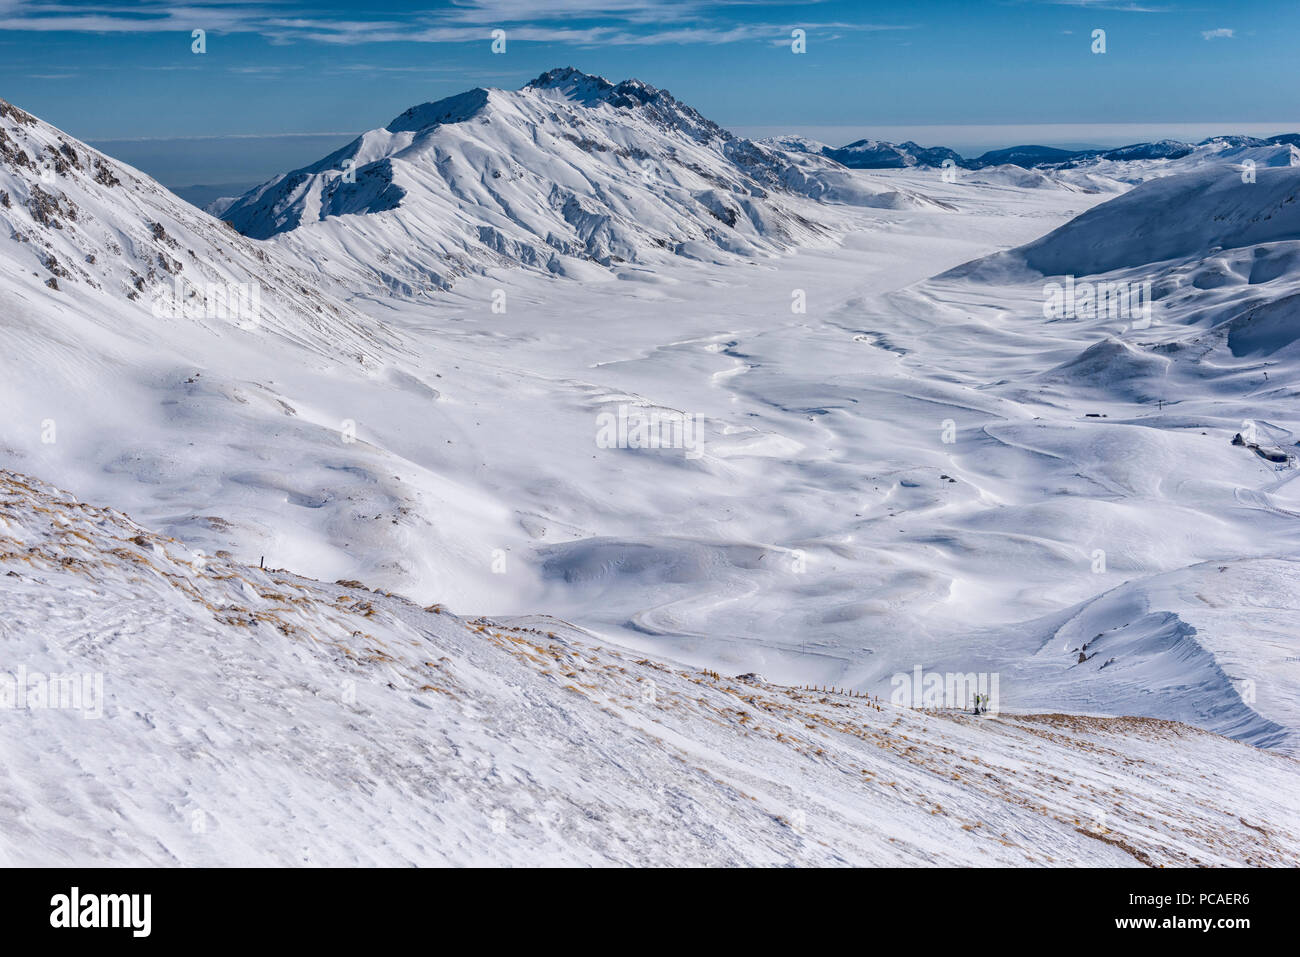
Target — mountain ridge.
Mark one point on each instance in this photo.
(570, 168)
(872, 154)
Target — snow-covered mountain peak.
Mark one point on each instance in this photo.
(590, 90)
(451, 109)
(569, 169)
(657, 106)
(573, 84)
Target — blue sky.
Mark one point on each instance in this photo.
(124, 69)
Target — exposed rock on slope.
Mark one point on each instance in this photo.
(102, 235)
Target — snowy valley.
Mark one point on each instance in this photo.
(898, 434)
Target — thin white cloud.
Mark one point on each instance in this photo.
(578, 22)
(505, 12)
(1111, 6)
(1221, 33)
(267, 70)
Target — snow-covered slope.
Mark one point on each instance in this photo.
(158, 358)
(1185, 475)
(91, 234)
(569, 170)
(1192, 214)
(177, 709)
(1220, 634)
(894, 471)
(1218, 250)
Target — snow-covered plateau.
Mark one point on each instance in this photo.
(620, 437)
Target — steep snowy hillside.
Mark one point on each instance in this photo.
(85, 234)
(568, 171)
(174, 709)
(159, 359)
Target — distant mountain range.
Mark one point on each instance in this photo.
(879, 154)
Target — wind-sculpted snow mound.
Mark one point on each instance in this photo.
(1265, 329)
(1212, 645)
(1112, 368)
(233, 715)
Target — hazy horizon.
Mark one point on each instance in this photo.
(245, 160)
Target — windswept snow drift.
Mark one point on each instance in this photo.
(1221, 636)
